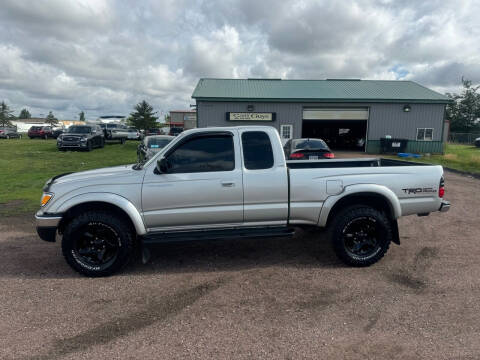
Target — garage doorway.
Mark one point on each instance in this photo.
(341, 129)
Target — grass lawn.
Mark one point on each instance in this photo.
(459, 157)
(26, 164)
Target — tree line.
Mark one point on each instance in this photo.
(464, 110)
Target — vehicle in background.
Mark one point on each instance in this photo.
(175, 131)
(115, 132)
(307, 149)
(152, 145)
(84, 137)
(477, 142)
(134, 134)
(9, 133)
(57, 132)
(153, 131)
(43, 132)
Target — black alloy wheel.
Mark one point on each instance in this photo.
(361, 235)
(96, 245)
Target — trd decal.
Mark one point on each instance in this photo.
(419, 190)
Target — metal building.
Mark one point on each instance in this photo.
(348, 114)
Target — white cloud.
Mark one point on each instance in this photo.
(103, 56)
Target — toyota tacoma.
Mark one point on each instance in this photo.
(233, 182)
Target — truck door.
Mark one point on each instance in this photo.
(265, 178)
(202, 188)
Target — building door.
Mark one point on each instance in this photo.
(341, 128)
(286, 133)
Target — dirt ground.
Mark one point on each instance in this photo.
(253, 299)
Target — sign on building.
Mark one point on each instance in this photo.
(250, 116)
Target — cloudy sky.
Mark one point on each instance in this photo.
(103, 56)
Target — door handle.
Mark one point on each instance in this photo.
(228, 184)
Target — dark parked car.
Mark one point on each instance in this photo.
(307, 149)
(9, 133)
(84, 137)
(174, 131)
(477, 142)
(152, 145)
(57, 133)
(43, 132)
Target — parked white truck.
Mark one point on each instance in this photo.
(233, 182)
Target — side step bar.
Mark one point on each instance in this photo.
(230, 233)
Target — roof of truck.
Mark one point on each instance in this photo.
(329, 90)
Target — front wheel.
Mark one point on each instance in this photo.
(97, 244)
(361, 235)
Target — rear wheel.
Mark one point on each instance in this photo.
(361, 235)
(97, 244)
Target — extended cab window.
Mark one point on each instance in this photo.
(203, 154)
(257, 150)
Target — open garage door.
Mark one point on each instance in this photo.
(342, 129)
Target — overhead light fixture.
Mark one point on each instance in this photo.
(407, 108)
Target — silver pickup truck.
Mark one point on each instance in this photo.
(233, 182)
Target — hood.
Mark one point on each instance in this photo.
(74, 134)
(110, 174)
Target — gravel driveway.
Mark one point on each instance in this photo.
(252, 299)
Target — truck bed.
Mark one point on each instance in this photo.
(344, 163)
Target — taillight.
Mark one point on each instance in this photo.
(441, 188)
(329, 155)
(296, 156)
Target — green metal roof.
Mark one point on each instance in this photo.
(334, 90)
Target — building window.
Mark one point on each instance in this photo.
(286, 132)
(424, 134)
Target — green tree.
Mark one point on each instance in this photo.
(143, 117)
(51, 119)
(6, 115)
(24, 114)
(81, 116)
(464, 110)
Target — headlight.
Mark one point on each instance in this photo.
(84, 138)
(45, 198)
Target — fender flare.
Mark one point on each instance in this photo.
(109, 198)
(349, 190)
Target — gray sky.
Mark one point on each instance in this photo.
(104, 56)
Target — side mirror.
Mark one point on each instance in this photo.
(162, 166)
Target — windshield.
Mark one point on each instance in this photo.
(157, 143)
(79, 129)
(309, 144)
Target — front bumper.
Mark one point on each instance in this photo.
(47, 225)
(445, 206)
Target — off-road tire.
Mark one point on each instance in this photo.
(346, 217)
(125, 237)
